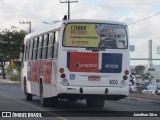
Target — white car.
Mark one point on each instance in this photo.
(132, 88)
(152, 89)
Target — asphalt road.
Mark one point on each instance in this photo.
(12, 99)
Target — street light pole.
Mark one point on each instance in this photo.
(30, 30)
(68, 1)
(27, 22)
(68, 9)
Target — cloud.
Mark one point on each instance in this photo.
(128, 11)
(90, 10)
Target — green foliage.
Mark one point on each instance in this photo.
(10, 42)
(10, 69)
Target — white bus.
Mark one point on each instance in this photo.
(77, 60)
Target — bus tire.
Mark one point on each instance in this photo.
(95, 103)
(28, 96)
(44, 101)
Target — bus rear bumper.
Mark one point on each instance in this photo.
(110, 93)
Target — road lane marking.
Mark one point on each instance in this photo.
(41, 109)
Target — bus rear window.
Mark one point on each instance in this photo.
(95, 35)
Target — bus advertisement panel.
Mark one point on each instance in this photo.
(95, 35)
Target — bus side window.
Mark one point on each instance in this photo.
(27, 49)
(45, 47)
(40, 47)
(24, 56)
(51, 45)
(35, 49)
(56, 45)
(31, 49)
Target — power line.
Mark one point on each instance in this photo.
(144, 19)
(149, 26)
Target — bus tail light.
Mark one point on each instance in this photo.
(126, 72)
(63, 75)
(125, 77)
(61, 70)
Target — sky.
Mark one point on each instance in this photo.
(128, 11)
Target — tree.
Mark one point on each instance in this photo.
(10, 42)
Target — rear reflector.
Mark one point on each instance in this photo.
(71, 88)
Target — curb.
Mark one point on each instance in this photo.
(9, 81)
(140, 99)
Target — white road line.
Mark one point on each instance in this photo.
(54, 115)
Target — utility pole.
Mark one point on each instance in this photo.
(27, 22)
(68, 1)
(150, 64)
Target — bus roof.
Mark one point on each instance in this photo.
(96, 21)
(44, 30)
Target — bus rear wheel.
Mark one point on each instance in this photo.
(47, 102)
(95, 102)
(28, 96)
(44, 101)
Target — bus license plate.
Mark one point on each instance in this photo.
(94, 78)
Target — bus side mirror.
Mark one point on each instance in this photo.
(132, 48)
(21, 57)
